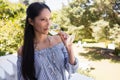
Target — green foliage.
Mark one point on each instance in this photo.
(89, 40)
(100, 30)
(12, 17)
(96, 21)
(117, 51)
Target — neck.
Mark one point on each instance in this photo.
(40, 38)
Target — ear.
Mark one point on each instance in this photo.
(30, 21)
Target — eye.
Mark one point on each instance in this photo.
(42, 19)
(50, 18)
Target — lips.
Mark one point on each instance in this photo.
(46, 29)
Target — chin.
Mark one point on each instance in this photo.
(46, 33)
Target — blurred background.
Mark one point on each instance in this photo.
(95, 23)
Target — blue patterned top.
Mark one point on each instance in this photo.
(51, 63)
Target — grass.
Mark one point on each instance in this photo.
(97, 54)
(106, 64)
(85, 72)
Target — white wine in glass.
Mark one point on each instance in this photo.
(71, 38)
(55, 29)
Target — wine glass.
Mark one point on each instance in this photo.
(55, 29)
(71, 38)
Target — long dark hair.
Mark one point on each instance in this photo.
(28, 69)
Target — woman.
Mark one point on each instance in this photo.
(43, 57)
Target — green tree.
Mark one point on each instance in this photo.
(12, 18)
(84, 16)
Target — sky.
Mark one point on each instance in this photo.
(56, 4)
(53, 4)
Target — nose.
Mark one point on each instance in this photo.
(48, 21)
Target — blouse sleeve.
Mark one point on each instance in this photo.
(19, 74)
(69, 67)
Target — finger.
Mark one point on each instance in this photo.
(61, 36)
(66, 36)
(60, 33)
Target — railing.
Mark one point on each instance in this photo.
(8, 69)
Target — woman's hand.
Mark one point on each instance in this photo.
(68, 43)
(67, 40)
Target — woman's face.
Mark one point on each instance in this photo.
(42, 22)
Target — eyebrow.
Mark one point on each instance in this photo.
(45, 17)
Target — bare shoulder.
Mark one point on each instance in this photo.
(19, 51)
(56, 39)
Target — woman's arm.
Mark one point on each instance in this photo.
(71, 62)
(71, 54)
(68, 46)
